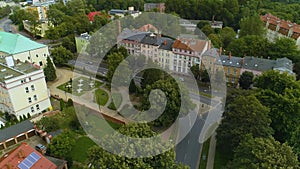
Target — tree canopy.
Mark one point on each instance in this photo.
(49, 70)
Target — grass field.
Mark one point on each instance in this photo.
(79, 151)
(101, 97)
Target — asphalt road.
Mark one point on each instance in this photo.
(188, 150)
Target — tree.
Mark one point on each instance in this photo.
(48, 124)
(100, 158)
(285, 47)
(49, 70)
(207, 30)
(252, 25)
(52, 33)
(215, 40)
(246, 80)
(263, 153)
(201, 24)
(244, 115)
(150, 76)
(171, 90)
(204, 76)
(294, 141)
(114, 60)
(281, 93)
(227, 35)
(61, 55)
(196, 71)
(62, 144)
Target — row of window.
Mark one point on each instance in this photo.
(36, 56)
(34, 97)
(25, 80)
(37, 108)
(27, 89)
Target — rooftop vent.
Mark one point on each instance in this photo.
(9, 76)
(255, 65)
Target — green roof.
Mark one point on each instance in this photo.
(15, 43)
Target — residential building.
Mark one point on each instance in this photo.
(39, 30)
(122, 13)
(23, 49)
(81, 41)
(188, 24)
(188, 52)
(258, 65)
(165, 54)
(209, 60)
(232, 68)
(216, 24)
(160, 7)
(23, 88)
(278, 28)
(16, 133)
(25, 157)
(133, 43)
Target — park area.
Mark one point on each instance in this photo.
(80, 85)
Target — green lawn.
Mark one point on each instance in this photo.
(74, 86)
(79, 151)
(101, 97)
(116, 101)
(204, 154)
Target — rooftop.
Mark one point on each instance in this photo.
(167, 44)
(258, 64)
(231, 61)
(18, 69)
(25, 157)
(15, 43)
(190, 44)
(15, 130)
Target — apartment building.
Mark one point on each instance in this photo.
(23, 49)
(160, 7)
(188, 52)
(23, 88)
(278, 28)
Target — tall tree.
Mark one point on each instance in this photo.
(114, 60)
(61, 55)
(227, 35)
(100, 158)
(244, 115)
(252, 25)
(246, 80)
(263, 153)
(62, 144)
(49, 70)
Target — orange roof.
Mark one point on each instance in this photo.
(284, 25)
(18, 155)
(190, 44)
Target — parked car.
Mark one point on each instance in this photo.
(41, 148)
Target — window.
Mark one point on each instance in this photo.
(35, 97)
(28, 57)
(26, 90)
(29, 100)
(37, 55)
(37, 107)
(32, 88)
(41, 63)
(32, 109)
(29, 78)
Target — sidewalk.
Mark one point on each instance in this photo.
(211, 152)
(63, 76)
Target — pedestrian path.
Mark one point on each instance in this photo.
(211, 152)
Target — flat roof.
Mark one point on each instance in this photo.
(15, 130)
(18, 69)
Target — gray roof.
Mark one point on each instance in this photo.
(213, 52)
(258, 64)
(284, 63)
(58, 162)
(168, 45)
(152, 39)
(15, 130)
(232, 61)
(137, 37)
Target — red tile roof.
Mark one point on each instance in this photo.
(91, 15)
(190, 44)
(284, 25)
(16, 156)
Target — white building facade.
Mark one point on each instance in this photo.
(23, 90)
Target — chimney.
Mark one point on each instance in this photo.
(165, 42)
(229, 56)
(119, 27)
(220, 51)
(243, 61)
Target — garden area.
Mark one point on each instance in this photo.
(101, 97)
(79, 85)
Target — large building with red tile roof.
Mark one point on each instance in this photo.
(277, 28)
(25, 157)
